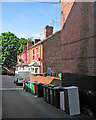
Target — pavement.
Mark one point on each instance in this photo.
(16, 103)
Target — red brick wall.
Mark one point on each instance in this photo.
(77, 40)
(65, 10)
(52, 53)
(48, 30)
(45, 80)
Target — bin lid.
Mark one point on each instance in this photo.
(58, 87)
(44, 85)
(70, 87)
(38, 83)
(50, 87)
(32, 81)
(53, 85)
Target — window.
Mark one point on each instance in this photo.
(37, 50)
(33, 54)
(37, 53)
(36, 70)
(32, 70)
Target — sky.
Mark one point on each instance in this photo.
(28, 19)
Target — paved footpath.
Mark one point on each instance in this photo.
(16, 103)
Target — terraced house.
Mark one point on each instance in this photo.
(32, 57)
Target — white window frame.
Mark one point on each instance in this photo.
(33, 71)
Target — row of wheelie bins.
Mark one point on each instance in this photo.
(50, 92)
(33, 87)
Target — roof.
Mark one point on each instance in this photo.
(25, 64)
(40, 42)
(21, 65)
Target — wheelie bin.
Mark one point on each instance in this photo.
(26, 86)
(48, 92)
(39, 89)
(44, 91)
(57, 96)
(34, 88)
(51, 94)
(23, 85)
(31, 85)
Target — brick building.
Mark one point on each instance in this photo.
(78, 38)
(70, 50)
(52, 53)
(78, 51)
(33, 56)
(31, 59)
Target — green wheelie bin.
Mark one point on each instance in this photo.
(39, 89)
(51, 94)
(57, 96)
(26, 86)
(31, 85)
(44, 91)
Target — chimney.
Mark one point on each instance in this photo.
(29, 43)
(24, 48)
(36, 41)
(48, 30)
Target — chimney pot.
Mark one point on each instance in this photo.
(48, 30)
(29, 43)
(36, 41)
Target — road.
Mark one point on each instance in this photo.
(16, 103)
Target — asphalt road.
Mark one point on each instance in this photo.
(16, 103)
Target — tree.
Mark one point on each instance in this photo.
(11, 46)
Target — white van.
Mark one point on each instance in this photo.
(20, 76)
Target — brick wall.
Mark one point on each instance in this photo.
(65, 10)
(52, 53)
(77, 40)
(45, 80)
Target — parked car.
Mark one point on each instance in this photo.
(4, 72)
(10, 72)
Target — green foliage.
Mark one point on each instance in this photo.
(11, 47)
